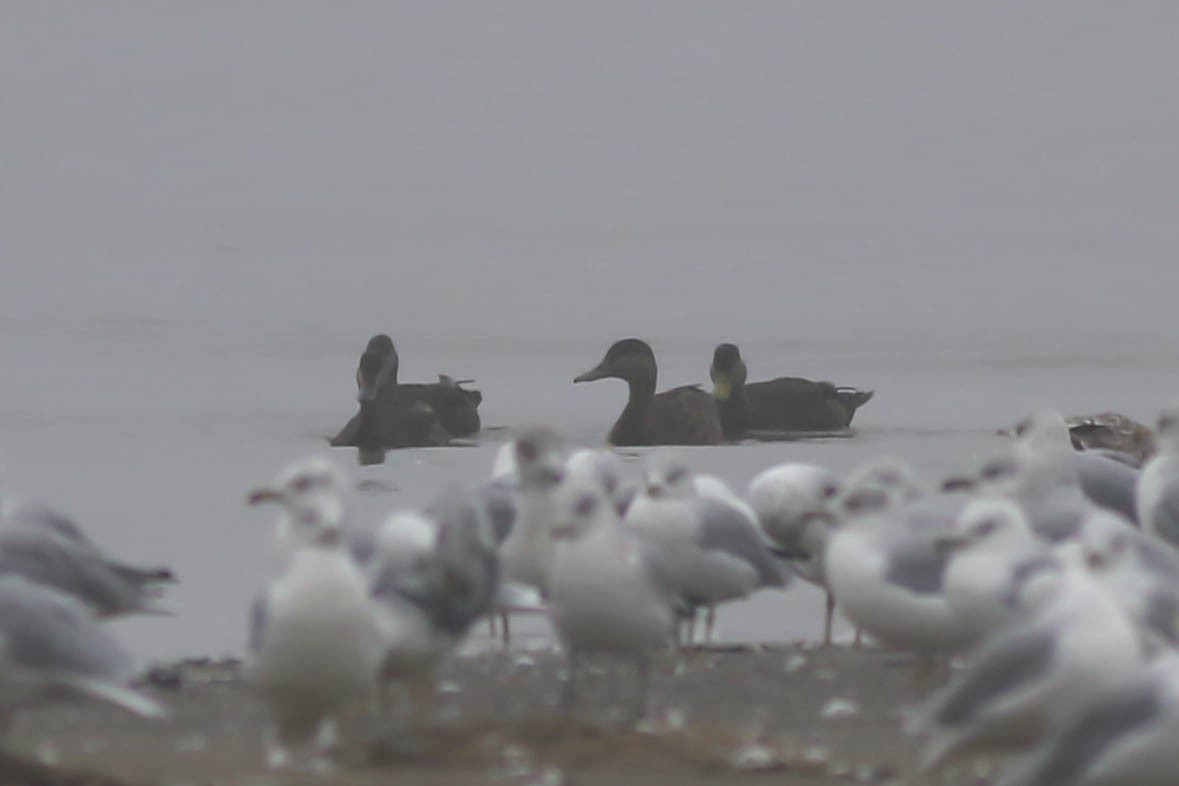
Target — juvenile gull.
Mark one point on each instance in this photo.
(711, 548)
(313, 644)
(1124, 735)
(1158, 488)
(608, 592)
(1057, 486)
(54, 648)
(1025, 677)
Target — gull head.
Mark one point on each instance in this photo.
(1167, 431)
(667, 478)
(580, 508)
(540, 458)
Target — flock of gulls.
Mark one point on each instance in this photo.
(1038, 594)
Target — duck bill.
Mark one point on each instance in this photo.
(599, 371)
(722, 386)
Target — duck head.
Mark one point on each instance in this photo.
(630, 359)
(727, 371)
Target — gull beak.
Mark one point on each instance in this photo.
(948, 544)
(259, 496)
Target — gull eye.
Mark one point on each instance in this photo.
(302, 483)
(527, 451)
(676, 475)
(986, 528)
(585, 505)
(829, 491)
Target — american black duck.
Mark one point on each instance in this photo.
(394, 415)
(782, 404)
(681, 416)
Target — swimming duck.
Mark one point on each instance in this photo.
(685, 415)
(393, 415)
(784, 404)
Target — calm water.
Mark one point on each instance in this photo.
(206, 211)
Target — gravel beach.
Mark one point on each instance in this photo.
(791, 715)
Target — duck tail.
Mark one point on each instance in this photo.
(853, 398)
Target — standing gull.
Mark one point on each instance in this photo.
(608, 594)
(992, 548)
(527, 550)
(425, 608)
(314, 647)
(884, 565)
(1158, 488)
(792, 502)
(712, 550)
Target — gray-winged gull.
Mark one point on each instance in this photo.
(425, 608)
(48, 548)
(711, 548)
(1020, 680)
(608, 591)
(885, 565)
(793, 506)
(53, 647)
(1125, 734)
(1158, 487)
(992, 547)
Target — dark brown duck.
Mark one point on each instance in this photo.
(782, 404)
(681, 416)
(394, 415)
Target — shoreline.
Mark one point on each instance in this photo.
(796, 715)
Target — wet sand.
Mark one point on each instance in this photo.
(792, 715)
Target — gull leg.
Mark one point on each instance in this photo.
(643, 688)
(506, 624)
(828, 619)
(568, 694)
(709, 622)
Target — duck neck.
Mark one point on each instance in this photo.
(632, 425)
(735, 409)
